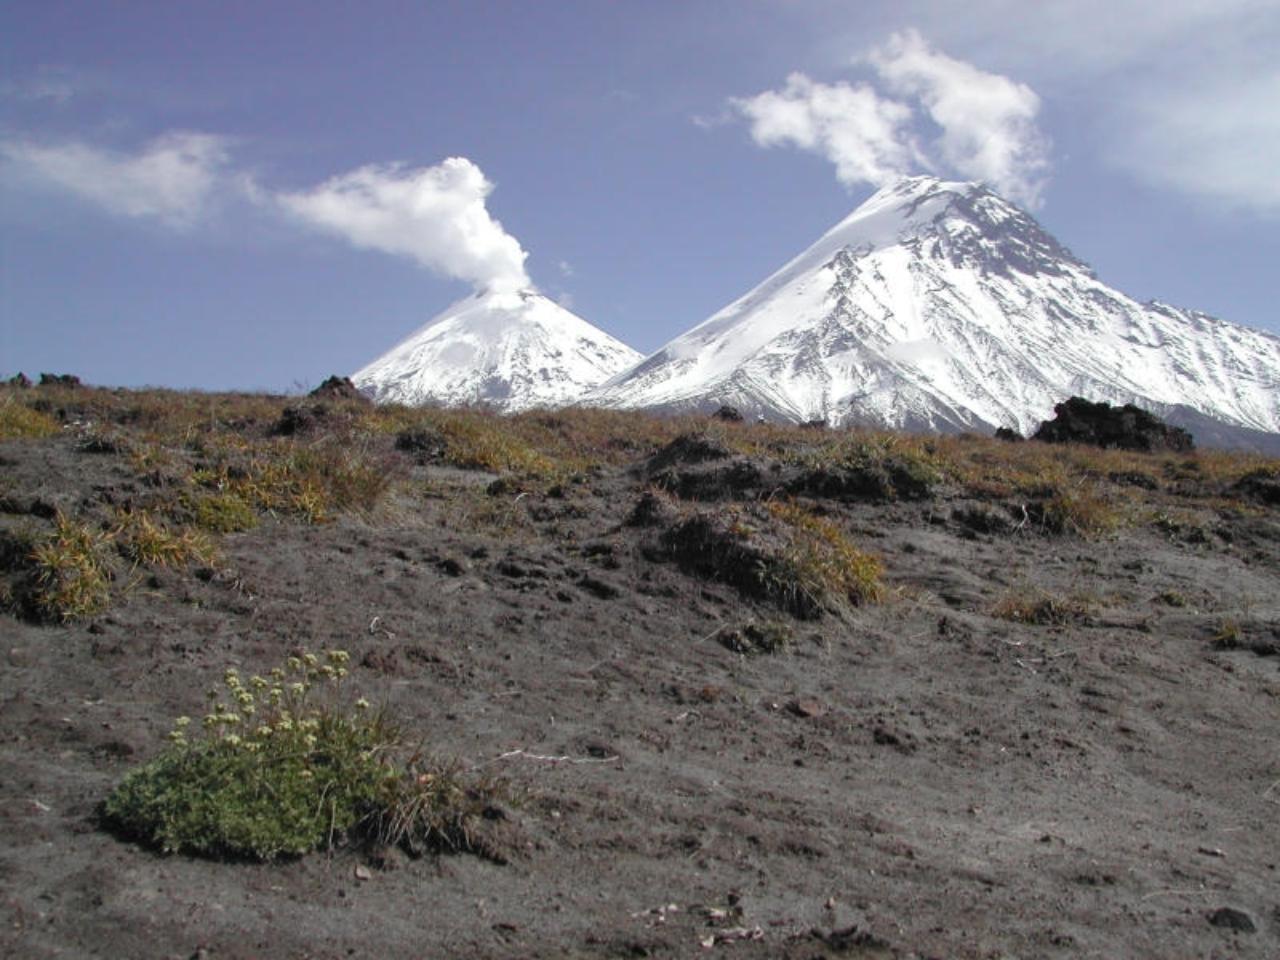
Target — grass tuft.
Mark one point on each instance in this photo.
(820, 564)
(1040, 607)
(144, 539)
(222, 513)
(72, 571)
(20, 422)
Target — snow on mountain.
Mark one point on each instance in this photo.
(511, 350)
(941, 306)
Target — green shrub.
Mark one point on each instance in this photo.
(285, 764)
(276, 768)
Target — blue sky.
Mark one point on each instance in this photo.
(256, 195)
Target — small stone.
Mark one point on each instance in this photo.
(1229, 918)
(807, 707)
(362, 872)
(452, 567)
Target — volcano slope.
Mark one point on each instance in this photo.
(748, 691)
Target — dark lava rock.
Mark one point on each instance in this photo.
(888, 479)
(295, 420)
(753, 639)
(807, 707)
(426, 445)
(688, 448)
(980, 518)
(59, 380)
(728, 414)
(338, 388)
(599, 588)
(1261, 485)
(1229, 918)
(716, 547)
(1008, 435)
(712, 481)
(1132, 478)
(1101, 425)
(652, 510)
(452, 566)
(851, 940)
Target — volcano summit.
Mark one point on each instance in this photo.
(511, 350)
(941, 306)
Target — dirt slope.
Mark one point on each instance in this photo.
(1037, 744)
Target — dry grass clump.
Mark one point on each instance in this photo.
(20, 422)
(71, 571)
(474, 440)
(311, 482)
(433, 806)
(1041, 607)
(1179, 525)
(819, 564)
(1226, 468)
(1229, 635)
(540, 444)
(1083, 508)
(145, 539)
(781, 554)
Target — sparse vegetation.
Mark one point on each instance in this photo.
(628, 615)
(21, 422)
(1229, 635)
(754, 639)
(1035, 606)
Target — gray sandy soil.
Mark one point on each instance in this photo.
(914, 778)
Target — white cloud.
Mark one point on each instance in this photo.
(171, 179)
(863, 134)
(1221, 143)
(1180, 94)
(435, 216)
(987, 120)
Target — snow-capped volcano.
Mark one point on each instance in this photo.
(511, 350)
(941, 306)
